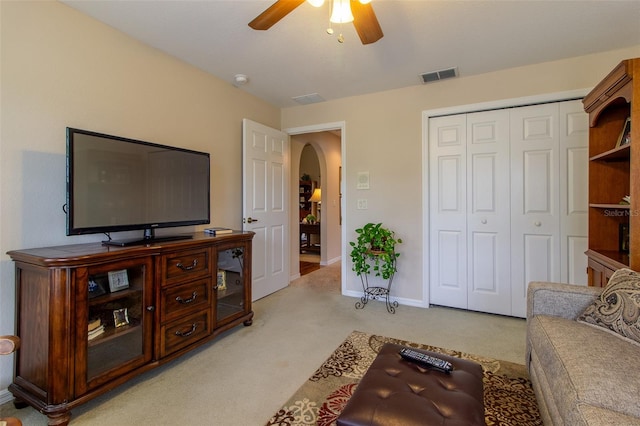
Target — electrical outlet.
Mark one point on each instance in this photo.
(362, 204)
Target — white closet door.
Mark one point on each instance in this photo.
(535, 217)
(447, 198)
(508, 204)
(574, 191)
(488, 212)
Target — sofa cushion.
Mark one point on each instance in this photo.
(584, 367)
(617, 309)
(598, 416)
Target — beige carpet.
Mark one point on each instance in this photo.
(508, 397)
(327, 279)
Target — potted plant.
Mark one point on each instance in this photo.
(311, 219)
(375, 247)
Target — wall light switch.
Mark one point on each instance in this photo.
(363, 180)
(362, 204)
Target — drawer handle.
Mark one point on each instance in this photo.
(187, 268)
(187, 301)
(188, 333)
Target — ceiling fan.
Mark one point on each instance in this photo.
(359, 11)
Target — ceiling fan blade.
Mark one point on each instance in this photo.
(366, 22)
(274, 13)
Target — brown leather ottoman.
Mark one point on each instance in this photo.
(397, 392)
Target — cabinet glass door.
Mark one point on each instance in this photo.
(230, 286)
(115, 334)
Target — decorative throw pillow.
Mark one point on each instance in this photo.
(617, 309)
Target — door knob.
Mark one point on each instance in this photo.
(251, 220)
(484, 221)
(537, 223)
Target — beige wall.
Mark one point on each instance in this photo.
(309, 161)
(60, 68)
(384, 137)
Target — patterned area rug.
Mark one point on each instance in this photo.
(508, 397)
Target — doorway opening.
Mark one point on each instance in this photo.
(310, 209)
(316, 164)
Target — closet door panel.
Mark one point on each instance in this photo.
(488, 211)
(536, 188)
(484, 264)
(574, 199)
(538, 259)
(447, 198)
(451, 289)
(535, 218)
(450, 185)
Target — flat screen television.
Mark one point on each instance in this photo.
(119, 184)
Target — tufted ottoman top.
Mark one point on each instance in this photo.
(397, 392)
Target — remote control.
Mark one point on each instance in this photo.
(426, 360)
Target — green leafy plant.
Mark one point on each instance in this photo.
(375, 250)
(311, 219)
(305, 177)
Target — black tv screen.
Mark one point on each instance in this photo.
(120, 184)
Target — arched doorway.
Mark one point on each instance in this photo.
(310, 209)
(319, 155)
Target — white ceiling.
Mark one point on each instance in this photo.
(297, 57)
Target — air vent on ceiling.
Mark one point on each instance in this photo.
(429, 77)
(311, 98)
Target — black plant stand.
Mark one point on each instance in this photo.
(373, 292)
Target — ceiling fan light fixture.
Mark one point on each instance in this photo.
(316, 3)
(341, 12)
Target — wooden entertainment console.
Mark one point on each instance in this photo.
(91, 317)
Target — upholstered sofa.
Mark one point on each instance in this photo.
(582, 374)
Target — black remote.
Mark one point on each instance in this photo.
(426, 360)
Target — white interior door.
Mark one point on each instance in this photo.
(470, 211)
(488, 212)
(574, 192)
(265, 196)
(535, 217)
(448, 201)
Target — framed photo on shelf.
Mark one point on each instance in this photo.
(625, 135)
(95, 288)
(623, 238)
(120, 317)
(118, 280)
(222, 279)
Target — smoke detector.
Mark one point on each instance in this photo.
(241, 79)
(431, 76)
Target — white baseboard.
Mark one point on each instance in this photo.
(331, 261)
(5, 396)
(294, 277)
(401, 300)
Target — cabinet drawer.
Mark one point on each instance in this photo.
(178, 334)
(185, 265)
(181, 300)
